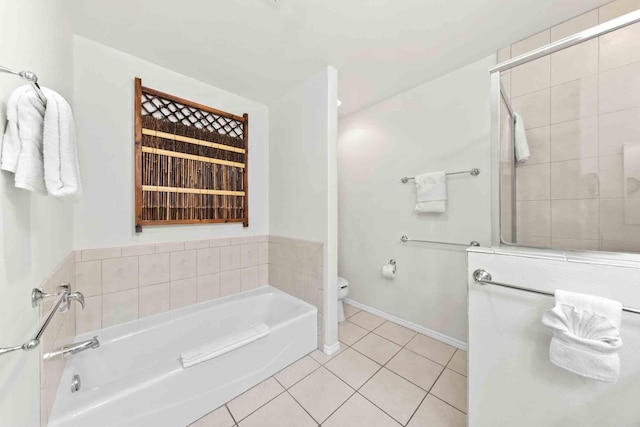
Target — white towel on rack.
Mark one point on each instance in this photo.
(11, 142)
(522, 151)
(61, 168)
(431, 192)
(586, 335)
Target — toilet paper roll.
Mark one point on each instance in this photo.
(388, 271)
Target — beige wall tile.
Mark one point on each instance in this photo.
(620, 89)
(539, 140)
(533, 241)
(183, 292)
(208, 287)
(621, 47)
(230, 258)
(119, 307)
(263, 274)
(249, 278)
(263, 253)
(575, 62)
(533, 182)
(611, 176)
(575, 25)
(208, 261)
(248, 255)
(95, 254)
(534, 218)
(530, 43)
(612, 222)
(119, 274)
(216, 243)
(617, 128)
(574, 100)
(575, 139)
(575, 219)
(617, 8)
(531, 77)
(183, 264)
(89, 319)
(504, 54)
(138, 250)
(89, 278)
(230, 282)
(535, 108)
(241, 240)
(576, 244)
(505, 79)
(155, 269)
(575, 179)
(196, 244)
(154, 299)
(616, 246)
(169, 247)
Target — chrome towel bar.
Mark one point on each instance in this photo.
(472, 172)
(30, 78)
(482, 277)
(405, 239)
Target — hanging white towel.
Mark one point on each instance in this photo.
(586, 335)
(520, 137)
(431, 192)
(61, 168)
(11, 143)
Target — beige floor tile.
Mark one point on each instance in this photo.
(458, 362)
(254, 398)
(218, 418)
(282, 411)
(452, 388)
(359, 412)
(395, 333)
(350, 310)
(432, 349)
(366, 320)
(377, 348)
(393, 394)
(433, 412)
(417, 369)
(322, 358)
(321, 393)
(353, 368)
(349, 333)
(296, 371)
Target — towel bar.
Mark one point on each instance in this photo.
(30, 78)
(483, 277)
(472, 172)
(405, 239)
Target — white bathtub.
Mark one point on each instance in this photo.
(136, 378)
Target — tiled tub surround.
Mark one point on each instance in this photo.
(384, 376)
(61, 331)
(580, 106)
(123, 284)
(295, 267)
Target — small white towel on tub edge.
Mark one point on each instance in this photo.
(223, 345)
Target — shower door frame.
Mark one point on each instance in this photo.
(496, 96)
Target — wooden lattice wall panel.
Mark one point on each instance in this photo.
(191, 162)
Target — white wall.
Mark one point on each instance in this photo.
(103, 94)
(36, 231)
(511, 381)
(302, 179)
(440, 125)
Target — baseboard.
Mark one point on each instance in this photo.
(409, 325)
(332, 349)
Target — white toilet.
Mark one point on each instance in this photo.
(343, 291)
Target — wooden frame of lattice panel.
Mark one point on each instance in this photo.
(191, 162)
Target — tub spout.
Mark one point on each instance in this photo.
(73, 348)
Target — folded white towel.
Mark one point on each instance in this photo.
(520, 136)
(223, 345)
(431, 192)
(586, 335)
(11, 143)
(61, 168)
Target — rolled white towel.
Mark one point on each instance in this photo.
(522, 151)
(586, 335)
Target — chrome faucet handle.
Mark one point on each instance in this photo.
(76, 296)
(37, 295)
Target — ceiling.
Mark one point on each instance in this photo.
(261, 48)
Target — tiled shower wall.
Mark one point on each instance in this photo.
(581, 108)
(295, 267)
(61, 331)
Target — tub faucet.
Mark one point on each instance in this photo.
(73, 348)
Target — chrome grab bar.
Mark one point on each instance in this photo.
(405, 239)
(62, 303)
(483, 277)
(472, 172)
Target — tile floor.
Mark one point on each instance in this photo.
(384, 376)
